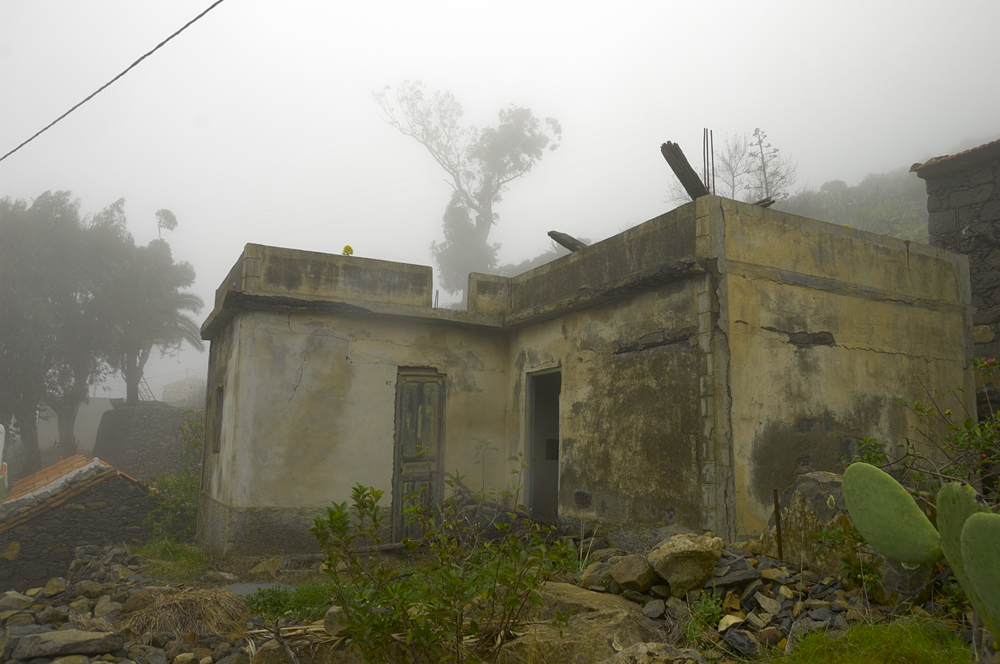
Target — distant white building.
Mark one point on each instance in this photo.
(185, 393)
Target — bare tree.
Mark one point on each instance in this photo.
(771, 174)
(746, 168)
(732, 166)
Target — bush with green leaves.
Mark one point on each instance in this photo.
(470, 590)
(175, 513)
(947, 446)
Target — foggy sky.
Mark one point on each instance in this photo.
(257, 123)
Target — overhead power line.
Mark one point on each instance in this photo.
(127, 70)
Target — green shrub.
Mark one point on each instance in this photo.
(707, 611)
(175, 514)
(473, 587)
(305, 603)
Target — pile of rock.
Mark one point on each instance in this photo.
(71, 621)
(765, 602)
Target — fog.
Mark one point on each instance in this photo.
(257, 124)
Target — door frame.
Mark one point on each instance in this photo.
(437, 470)
(529, 436)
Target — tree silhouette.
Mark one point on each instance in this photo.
(480, 163)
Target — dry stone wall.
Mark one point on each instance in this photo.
(141, 441)
(40, 543)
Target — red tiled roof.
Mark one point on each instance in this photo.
(50, 474)
(971, 151)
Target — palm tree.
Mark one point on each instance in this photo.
(148, 307)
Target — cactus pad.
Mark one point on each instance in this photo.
(888, 517)
(980, 547)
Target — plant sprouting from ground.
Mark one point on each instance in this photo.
(947, 446)
(706, 611)
(482, 566)
(175, 514)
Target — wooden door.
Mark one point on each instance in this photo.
(417, 472)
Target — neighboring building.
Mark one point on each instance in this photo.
(675, 373)
(963, 205)
(185, 393)
(79, 500)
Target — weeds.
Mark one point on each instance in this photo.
(707, 611)
(911, 641)
(483, 566)
(305, 603)
(175, 515)
(172, 560)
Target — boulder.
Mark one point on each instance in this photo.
(66, 642)
(597, 621)
(633, 573)
(661, 535)
(91, 589)
(14, 601)
(655, 653)
(54, 587)
(333, 622)
(686, 561)
(813, 504)
(596, 574)
(106, 608)
(604, 555)
(12, 634)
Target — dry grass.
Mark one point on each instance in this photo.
(203, 611)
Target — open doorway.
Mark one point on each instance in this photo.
(543, 445)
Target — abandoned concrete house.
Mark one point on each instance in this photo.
(675, 373)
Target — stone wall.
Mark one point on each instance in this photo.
(39, 544)
(142, 440)
(963, 204)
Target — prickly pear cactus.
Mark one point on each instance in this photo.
(956, 503)
(981, 557)
(888, 517)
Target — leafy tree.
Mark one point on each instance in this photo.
(147, 308)
(480, 163)
(67, 290)
(165, 220)
(82, 328)
(37, 245)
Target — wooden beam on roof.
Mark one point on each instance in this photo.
(682, 169)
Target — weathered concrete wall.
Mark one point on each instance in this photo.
(629, 410)
(310, 408)
(825, 325)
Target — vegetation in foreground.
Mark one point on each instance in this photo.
(172, 560)
(905, 640)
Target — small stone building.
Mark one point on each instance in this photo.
(963, 205)
(79, 500)
(675, 373)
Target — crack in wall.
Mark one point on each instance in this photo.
(925, 358)
(803, 339)
(656, 340)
